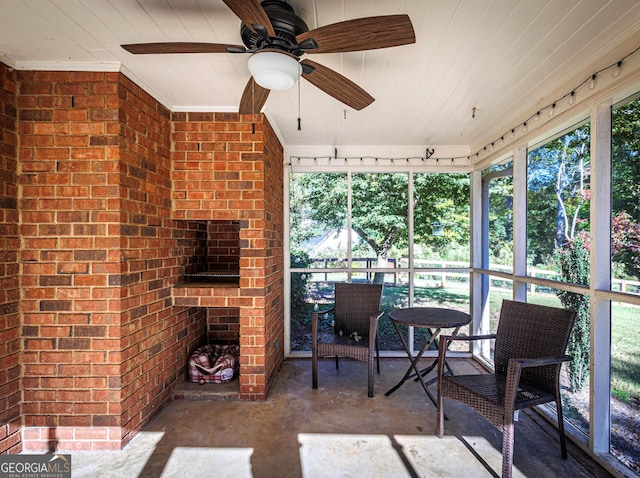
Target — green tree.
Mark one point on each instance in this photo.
(379, 214)
(573, 261)
(625, 169)
(444, 199)
(299, 259)
(379, 210)
(318, 204)
(558, 192)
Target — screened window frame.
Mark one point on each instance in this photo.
(350, 168)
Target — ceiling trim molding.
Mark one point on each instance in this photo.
(204, 109)
(107, 66)
(7, 61)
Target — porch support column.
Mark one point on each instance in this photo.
(600, 220)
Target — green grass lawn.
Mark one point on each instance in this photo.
(625, 355)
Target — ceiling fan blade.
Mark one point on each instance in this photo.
(336, 85)
(179, 47)
(251, 13)
(368, 33)
(253, 98)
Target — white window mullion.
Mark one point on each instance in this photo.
(520, 222)
(410, 239)
(410, 254)
(479, 282)
(600, 236)
(287, 262)
(349, 238)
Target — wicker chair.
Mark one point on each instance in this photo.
(529, 351)
(354, 334)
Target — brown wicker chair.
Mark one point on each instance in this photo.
(356, 312)
(529, 350)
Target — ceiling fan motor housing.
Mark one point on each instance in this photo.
(286, 24)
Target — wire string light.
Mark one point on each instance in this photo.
(393, 161)
(361, 160)
(552, 107)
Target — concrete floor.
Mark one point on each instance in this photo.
(335, 431)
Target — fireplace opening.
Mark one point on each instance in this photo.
(211, 252)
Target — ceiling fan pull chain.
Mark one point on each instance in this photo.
(299, 120)
(253, 106)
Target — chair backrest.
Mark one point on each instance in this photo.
(354, 304)
(532, 331)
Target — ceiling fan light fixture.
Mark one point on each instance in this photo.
(274, 70)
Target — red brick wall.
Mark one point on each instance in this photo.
(222, 170)
(10, 344)
(156, 338)
(103, 344)
(69, 130)
(274, 252)
(223, 325)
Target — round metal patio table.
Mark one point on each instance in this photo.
(434, 319)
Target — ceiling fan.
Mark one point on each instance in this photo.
(276, 38)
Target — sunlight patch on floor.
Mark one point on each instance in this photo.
(109, 464)
(331, 455)
(490, 455)
(447, 456)
(218, 462)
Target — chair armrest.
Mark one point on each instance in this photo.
(373, 329)
(449, 338)
(322, 312)
(539, 362)
(314, 324)
(445, 339)
(514, 370)
(315, 315)
(444, 342)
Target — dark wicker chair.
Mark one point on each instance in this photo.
(529, 351)
(354, 333)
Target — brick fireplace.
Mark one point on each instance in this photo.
(114, 201)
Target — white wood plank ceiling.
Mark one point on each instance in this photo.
(502, 57)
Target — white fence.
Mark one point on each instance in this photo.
(441, 277)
